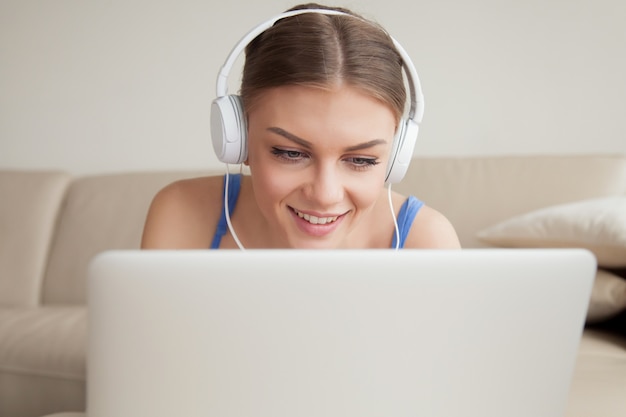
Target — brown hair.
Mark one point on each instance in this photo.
(320, 50)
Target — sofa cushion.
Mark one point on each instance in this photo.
(101, 213)
(46, 341)
(34, 395)
(30, 206)
(608, 297)
(476, 192)
(599, 376)
(596, 224)
(42, 360)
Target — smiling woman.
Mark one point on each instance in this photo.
(320, 124)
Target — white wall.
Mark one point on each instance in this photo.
(97, 86)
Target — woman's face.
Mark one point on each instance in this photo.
(318, 160)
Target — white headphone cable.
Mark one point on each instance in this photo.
(227, 211)
(393, 215)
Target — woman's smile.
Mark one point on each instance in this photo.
(316, 225)
(313, 219)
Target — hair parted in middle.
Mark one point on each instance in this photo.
(325, 51)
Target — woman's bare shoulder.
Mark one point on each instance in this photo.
(190, 191)
(431, 229)
(183, 214)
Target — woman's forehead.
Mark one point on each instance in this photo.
(347, 99)
(343, 117)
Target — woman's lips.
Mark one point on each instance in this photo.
(316, 225)
(315, 219)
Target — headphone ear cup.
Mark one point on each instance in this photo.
(402, 150)
(229, 131)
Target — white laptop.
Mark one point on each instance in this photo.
(344, 333)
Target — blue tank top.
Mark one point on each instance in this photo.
(407, 213)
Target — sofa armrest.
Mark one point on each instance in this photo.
(31, 202)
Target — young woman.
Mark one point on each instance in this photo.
(322, 97)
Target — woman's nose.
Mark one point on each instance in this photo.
(326, 187)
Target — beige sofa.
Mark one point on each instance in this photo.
(52, 224)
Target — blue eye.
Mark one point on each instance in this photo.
(288, 154)
(364, 161)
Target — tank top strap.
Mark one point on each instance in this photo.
(234, 185)
(408, 211)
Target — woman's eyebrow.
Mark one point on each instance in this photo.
(366, 145)
(291, 137)
(309, 145)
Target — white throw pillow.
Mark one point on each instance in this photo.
(598, 225)
(608, 297)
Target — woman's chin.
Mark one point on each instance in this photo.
(313, 244)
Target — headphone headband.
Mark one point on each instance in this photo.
(416, 110)
(228, 120)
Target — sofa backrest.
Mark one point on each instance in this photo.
(476, 192)
(108, 211)
(99, 213)
(29, 206)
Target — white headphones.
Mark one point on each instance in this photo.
(228, 122)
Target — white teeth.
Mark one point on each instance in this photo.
(315, 219)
